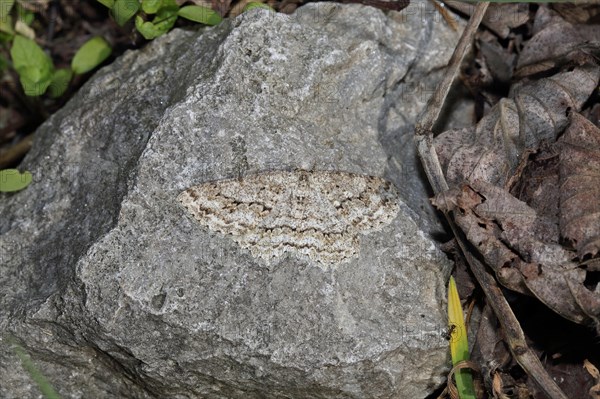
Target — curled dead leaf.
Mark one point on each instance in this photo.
(580, 186)
(505, 230)
(557, 42)
(535, 113)
(499, 18)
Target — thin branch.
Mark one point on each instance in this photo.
(434, 106)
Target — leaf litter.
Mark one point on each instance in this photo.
(525, 185)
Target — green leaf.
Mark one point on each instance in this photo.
(34, 67)
(5, 7)
(151, 6)
(25, 15)
(60, 82)
(6, 23)
(26, 52)
(48, 391)
(147, 29)
(459, 345)
(6, 27)
(107, 3)
(34, 81)
(124, 10)
(90, 55)
(12, 180)
(163, 22)
(169, 5)
(253, 5)
(203, 15)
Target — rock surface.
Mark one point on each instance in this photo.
(115, 291)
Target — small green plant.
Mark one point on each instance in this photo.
(156, 17)
(253, 5)
(35, 68)
(13, 180)
(40, 380)
(90, 55)
(459, 345)
(37, 72)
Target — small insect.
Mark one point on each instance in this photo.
(448, 333)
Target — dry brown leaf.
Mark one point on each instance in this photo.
(521, 245)
(493, 355)
(34, 5)
(593, 114)
(221, 6)
(580, 186)
(538, 186)
(499, 18)
(489, 216)
(581, 13)
(505, 230)
(536, 113)
(590, 368)
(483, 233)
(202, 3)
(588, 299)
(557, 42)
(593, 370)
(498, 60)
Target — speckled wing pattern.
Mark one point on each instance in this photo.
(318, 214)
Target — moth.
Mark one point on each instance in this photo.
(314, 214)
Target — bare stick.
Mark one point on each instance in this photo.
(434, 106)
(424, 128)
(515, 337)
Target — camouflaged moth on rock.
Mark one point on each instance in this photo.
(317, 214)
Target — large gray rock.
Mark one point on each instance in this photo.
(115, 291)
